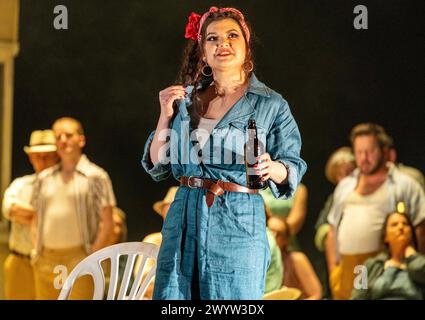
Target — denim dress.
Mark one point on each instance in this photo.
(221, 252)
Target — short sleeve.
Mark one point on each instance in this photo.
(10, 198)
(417, 203)
(332, 219)
(108, 196)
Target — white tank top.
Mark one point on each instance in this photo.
(204, 130)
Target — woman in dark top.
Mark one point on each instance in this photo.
(398, 273)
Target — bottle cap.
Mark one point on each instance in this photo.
(251, 123)
(401, 207)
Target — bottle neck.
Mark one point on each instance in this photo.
(252, 133)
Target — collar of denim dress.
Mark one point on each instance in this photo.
(241, 111)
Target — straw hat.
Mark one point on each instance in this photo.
(285, 293)
(169, 197)
(41, 141)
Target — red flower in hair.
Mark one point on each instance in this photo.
(192, 27)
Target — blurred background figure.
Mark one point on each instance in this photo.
(399, 271)
(161, 208)
(340, 164)
(298, 271)
(294, 210)
(285, 220)
(361, 203)
(18, 272)
(274, 275)
(71, 199)
(117, 235)
(410, 171)
(119, 232)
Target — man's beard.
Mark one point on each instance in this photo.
(376, 168)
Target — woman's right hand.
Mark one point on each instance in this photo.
(167, 98)
(410, 251)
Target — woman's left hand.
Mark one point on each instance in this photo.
(269, 169)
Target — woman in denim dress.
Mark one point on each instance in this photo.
(214, 237)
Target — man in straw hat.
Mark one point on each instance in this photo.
(72, 200)
(161, 207)
(19, 277)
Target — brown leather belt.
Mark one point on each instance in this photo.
(21, 255)
(214, 187)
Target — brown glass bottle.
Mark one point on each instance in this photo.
(253, 148)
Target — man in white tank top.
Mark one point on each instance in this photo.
(71, 199)
(361, 203)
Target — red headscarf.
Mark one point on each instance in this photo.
(194, 25)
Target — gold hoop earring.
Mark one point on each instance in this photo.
(251, 66)
(203, 70)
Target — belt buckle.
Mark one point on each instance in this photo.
(196, 185)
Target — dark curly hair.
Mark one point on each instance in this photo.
(190, 71)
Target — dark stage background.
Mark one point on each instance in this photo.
(108, 68)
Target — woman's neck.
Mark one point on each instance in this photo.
(228, 82)
(397, 253)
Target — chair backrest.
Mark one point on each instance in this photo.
(284, 293)
(91, 265)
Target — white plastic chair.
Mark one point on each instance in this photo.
(91, 265)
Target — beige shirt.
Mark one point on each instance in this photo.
(361, 225)
(91, 191)
(61, 228)
(203, 132)
(19, 192)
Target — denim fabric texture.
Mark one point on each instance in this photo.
(222, 252)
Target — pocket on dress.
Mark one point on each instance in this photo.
(227, 227)
(244, 219)
(247, 212)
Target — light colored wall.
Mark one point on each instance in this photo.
(9, 48)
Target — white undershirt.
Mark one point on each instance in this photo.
(61, 228)
(204, 130)
(362, 222)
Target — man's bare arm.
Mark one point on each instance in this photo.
(330, 250)
(104, 232)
